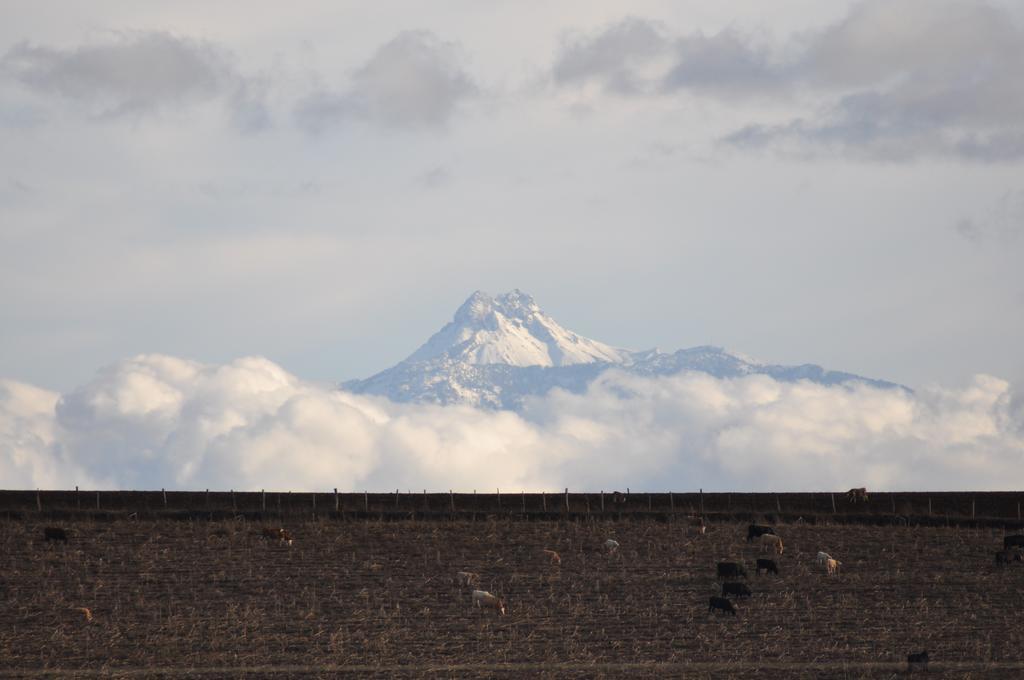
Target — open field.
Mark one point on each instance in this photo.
(213, 598)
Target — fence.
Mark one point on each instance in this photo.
(818, 506)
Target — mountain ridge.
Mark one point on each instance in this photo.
(497, 351)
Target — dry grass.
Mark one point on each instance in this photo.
(214, 598)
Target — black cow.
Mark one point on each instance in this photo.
(1007, 556)
(769, 567)
(1016, 540)
(918, 661)
(737, 589)
(758, 530)
(721, 603)
(731, 570)
(55, 534)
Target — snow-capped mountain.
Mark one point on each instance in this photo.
(498, 350)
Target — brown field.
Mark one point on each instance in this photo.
(213, 599)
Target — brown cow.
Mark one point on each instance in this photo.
(468, 578)
(554, 557)
(857, 495)
(281, 535)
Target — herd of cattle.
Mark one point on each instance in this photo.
(727, 572)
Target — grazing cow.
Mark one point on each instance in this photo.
(468, 578)
(918, 661)
(737, 589)
(281, 535)
(699, 525)
(1016, 540)
(771, 542)
(86, 613)
(55, 534)
(857, 495)
(721, 603)
(483, 599)
(823, 557)
(769, 567)
(731, 570)
(758, 530)
(832, 566)
(611, 546)
(553, 556)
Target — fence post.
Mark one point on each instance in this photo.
(602, 500)
(544, 500)
(700, 493)
(314, 502)
(451, 497)
(930, 506)
(425, 503)
(567, 499)
(892, 498)
(972, 508)
(833, 497)
(524, 502)
(336, 499)
(366, 500)
(78, 501)
(778, 503)
(234, 507)
(39, 501)
(164, 492)
(263, 500)
(207, 501)
(499, 499)
(671, 502)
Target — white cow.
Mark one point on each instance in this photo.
(483, 599)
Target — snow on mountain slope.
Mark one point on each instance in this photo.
(497, 351)
(511, 330)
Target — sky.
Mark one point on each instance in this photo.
(320, 185)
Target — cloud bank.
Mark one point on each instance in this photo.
(893, 80)
(156, 421)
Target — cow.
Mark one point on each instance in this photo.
(758, 530)
(832, 566)
(86, 613)
(1007, 556)
(728, 570)
(554, 557)
(55, 534)
(721, 603)
(857, 495)
(483, 599)
(771, 542)
(611, 546)
(467, 578)
(917, 661)
(823, 557)
(769, 567)
(699, 525)
(737, 589)
(1017, 540)
(281, 535)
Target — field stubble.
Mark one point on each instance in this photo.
(189, 596)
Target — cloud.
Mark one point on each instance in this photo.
(413, 81)
(893, 80)
(137, 73)
(156, 421)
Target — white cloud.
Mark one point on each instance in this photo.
(156, 421)
(415, 80)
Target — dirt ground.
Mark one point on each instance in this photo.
(214, 599)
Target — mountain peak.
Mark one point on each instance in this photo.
(511, 329)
